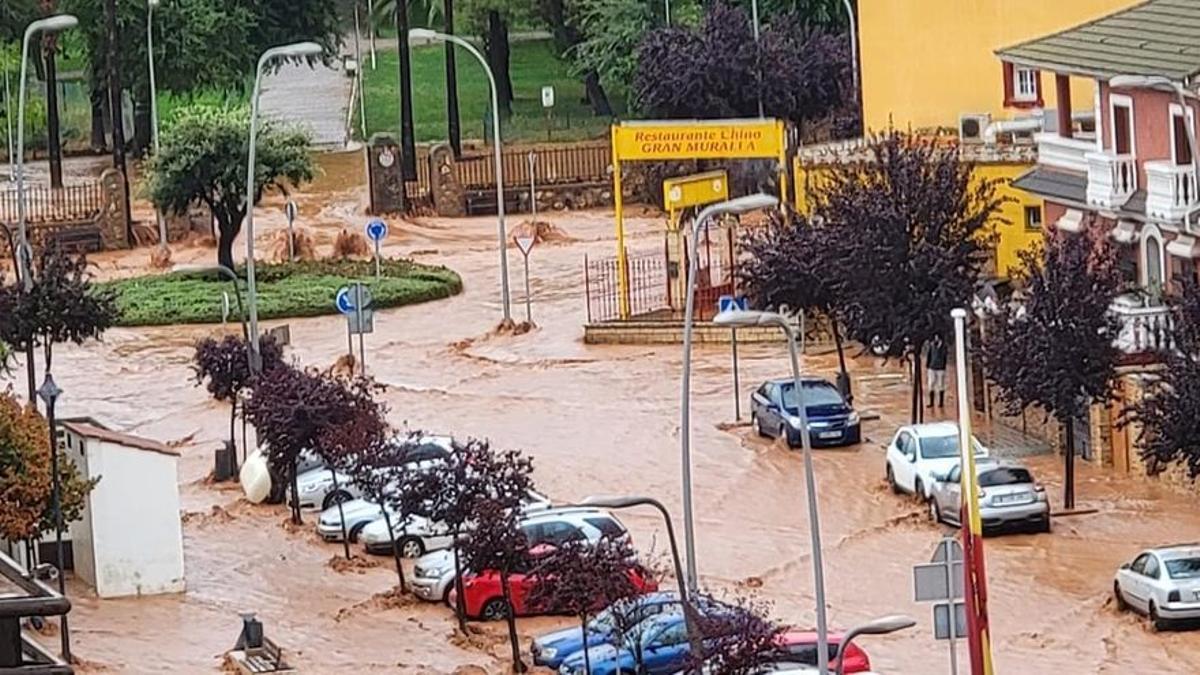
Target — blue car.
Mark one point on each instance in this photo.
(552, 649)
(831, 420)
(664, 648)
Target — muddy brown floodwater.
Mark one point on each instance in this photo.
(597, 420)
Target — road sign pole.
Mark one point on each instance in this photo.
(376, 258)
(737, 389)
(289, 210)
(532, 188)
(358, 314)
(947, 546)
(528, 304)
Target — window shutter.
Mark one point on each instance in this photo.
(1009, 85)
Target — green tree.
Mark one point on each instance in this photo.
(203, 158)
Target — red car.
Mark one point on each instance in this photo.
(483, 599)
(801, 647)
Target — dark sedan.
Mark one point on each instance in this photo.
(831, 421)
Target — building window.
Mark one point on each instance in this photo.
(1123, 140)
(1180, 144)
(1033, 217)
(1022, 87)
(1025, 84)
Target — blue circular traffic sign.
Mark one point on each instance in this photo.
(376, 230)
(344, 301)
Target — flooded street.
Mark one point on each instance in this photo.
(596, 420)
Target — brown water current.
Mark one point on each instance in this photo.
(597, 420)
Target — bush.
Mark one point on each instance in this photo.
(285, 290)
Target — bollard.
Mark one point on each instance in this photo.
(252, 633)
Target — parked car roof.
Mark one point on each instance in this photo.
(1178, 552)
(807, 379)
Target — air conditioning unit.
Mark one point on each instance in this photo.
(972, 125)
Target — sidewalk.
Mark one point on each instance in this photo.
(313, 98)
(1005, 441)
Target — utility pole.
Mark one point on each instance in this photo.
(53, 141)
(118, 118)
(408, 144)
(453, 128)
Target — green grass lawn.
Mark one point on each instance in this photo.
(284, 291)
(534, 65)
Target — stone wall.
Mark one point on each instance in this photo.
(114, 230)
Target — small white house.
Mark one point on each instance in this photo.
(129, 540)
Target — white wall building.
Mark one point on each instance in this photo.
(129, 540)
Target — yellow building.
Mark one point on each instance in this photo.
(1020, 219)
(926, 62)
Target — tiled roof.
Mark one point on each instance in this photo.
(1155, 37)
(858, 150)
(94, 430)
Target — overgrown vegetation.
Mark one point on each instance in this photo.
(284, 290)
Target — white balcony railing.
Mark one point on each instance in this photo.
(1144, 329)
(1111, 179)
(1063, 153)
(1171, 190)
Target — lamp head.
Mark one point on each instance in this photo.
(886, 624)
(299, 49)
(745, 318)
(424, 34)
(1125, 81)
(748, 203)
(55, 24)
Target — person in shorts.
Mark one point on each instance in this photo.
(935, 355)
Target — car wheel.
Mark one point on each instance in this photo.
(919, 490)
(1156, 623)
(494, 610)
(332, 499)
(411, 547)
(783, 434)
(355, 531)
(1044, 526)
(935, 512)
(757, 423)
(1118, 598)
(891, 479)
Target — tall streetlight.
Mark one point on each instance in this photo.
(426, 34)
(150, 5)
(743, 319)
(853, 45)
(738, 205)
(881, 626)
(50, 24)
(290, 51)
(684, 598)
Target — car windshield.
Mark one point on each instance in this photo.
(815, 394)
(1004, 476)
(1184, 568)
(942, 447)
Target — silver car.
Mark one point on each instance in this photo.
(1008, 495)
(1162, 583)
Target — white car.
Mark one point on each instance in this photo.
(1162, 583)
(433, 574)
(920, 452)
(316, 486)
(418, 535)
(359, 514)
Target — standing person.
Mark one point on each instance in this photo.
(935, 369)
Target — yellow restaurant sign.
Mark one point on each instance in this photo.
(719, 139)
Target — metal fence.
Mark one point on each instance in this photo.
(552, 165)
(70, 203)
(648, 283)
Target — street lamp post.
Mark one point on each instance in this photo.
(684, 593)
(237, 291)
(49, 393)
(881, 626)
(294, 50)
(740, 318)
(50, 24)
(738, 205)
(426, 34)
(150, 5)
(853, 45)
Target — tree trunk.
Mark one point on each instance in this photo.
(596, 95)
(30, 374)
(453, 127)
(232, 421)
(387, 521)
(53, 132)
(510, 617)
(114, 93)
(496, 45)
(459, 609)
(226, 233)
(843, 375)
(1069, 466)
(295, 494)
(918, 406)
(142, 123)
(408, 157)
(587, 660)
(99, 141)
(341, 513)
